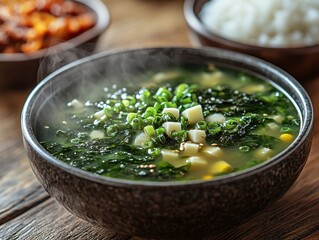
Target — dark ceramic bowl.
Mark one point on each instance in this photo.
(161, 209)
(301, 62)
(20, 70)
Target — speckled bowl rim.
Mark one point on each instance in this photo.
(102, 22)
(305, 129)
(197, 26)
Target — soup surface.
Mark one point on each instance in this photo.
(182, 124)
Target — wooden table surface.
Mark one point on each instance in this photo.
(27, 212)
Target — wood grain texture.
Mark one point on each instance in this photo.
(19, 194)
(145, 23)
(50, 221)
(27, 212)
(19, 189)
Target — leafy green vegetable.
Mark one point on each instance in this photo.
(121, 116)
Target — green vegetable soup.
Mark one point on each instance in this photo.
(182, 124)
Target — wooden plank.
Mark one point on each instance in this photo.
(50, 221)
(10, 138)
(144, 23)
(312, 87)
(19, 190)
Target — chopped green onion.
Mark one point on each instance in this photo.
(164, 92)
(159, 131)
(184, 122)
(186, 100)
(145, 94)
(169, 105)
(118, 107)
(230, 124)
(130, 117)
(149, 121)
(160, 139)
(75, 140)
(214, 128)
(158, 106)
(136, 123)
(150, 112)
(202, 125)
(149, 130)
(108, 111)
(179, 136)
(154, 152)
(286, 130)
(179, 90)
(244, 148)
(126, 103)
(112, 131)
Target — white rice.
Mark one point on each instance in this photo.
(275, 23)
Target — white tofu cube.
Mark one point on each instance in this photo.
(272, 126)
(141, 138)
(76, 104)
(264, 153)
(174, 111)
(194, 114)
(254, 88)
(162, 76)
(216, 152)
(189, 149)
(211, 79)
(278, 118)
(197, 136)
(96, 134)
(215, 117)
(197, 162)
(173, 158)
(99, 114)
(171, 127)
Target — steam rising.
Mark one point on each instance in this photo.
(88, 81)
(56, 59)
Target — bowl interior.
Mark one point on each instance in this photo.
(128, 68)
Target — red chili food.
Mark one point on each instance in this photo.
(27, 26)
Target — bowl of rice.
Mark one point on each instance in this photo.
(285, 33)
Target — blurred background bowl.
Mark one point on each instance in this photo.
(301, 62)
(20, 70)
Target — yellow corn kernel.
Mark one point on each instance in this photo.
(286, 137)
(207, 177)
(220, 167)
